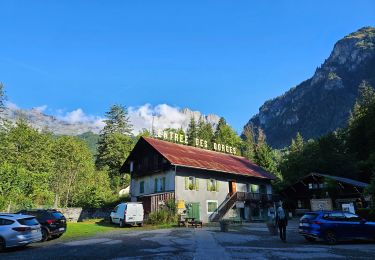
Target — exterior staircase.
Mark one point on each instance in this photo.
(229, 202)
(224, 207)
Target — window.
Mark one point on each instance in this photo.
(335, 216)
(28, 221)
(211, 206)
(212, 185)
(5, 222)
(263, 189)
(159, 184)
(310, 186)
(352, 217)
(131, 166)
(254, 188)
(142, 187)
(191, 183)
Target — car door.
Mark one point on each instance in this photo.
(335, 221)
(355, 228)
(114, 215)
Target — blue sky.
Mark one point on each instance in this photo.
(221, 57)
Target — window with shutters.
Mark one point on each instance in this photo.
(212, 185)
(159, 184)
(142, 187)
(191, 183)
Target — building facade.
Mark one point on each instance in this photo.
(206, 185)
(317, 191)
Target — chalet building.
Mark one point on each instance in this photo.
(206, 185)
(317, 191)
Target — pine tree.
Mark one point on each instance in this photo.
(192, 131)
(220, 124)
(2, 97)
(264, 155)
(117, 121)
(249, 145)
(297, 144)
(115, 143)
(205, 132)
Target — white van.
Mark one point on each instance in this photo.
(128, 213)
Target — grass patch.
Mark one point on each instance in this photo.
(97, 226)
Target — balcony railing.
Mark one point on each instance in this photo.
(254, 196)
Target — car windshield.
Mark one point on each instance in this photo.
(28, 221)
(309, 216)
(57, 215)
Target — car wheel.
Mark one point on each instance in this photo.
(331, 238)
(45, 235)
(2, 244)
(122, 223)
(310, 239)
(57, 236)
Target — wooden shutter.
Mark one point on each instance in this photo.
(196, 184)
(208, 184)
(186, 183)
(156, 185)
(217, 185)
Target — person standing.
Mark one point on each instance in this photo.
(281, 221)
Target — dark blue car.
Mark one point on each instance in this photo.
(333, 226)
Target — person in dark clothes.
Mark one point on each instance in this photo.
(281, 221)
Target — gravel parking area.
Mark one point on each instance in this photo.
(249, 241)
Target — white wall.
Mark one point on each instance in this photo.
(150, 182)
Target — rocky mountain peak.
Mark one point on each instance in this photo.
(322, 103)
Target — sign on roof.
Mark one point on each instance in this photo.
(201, 143)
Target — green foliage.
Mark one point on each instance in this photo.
(112, 152)
(249, 144)
(91, 140)
(36, 166)
(117, 121)
(348, 152)
(73, 161)
(205, 132)
(166, 215)
(192, 131)
(225, 134)
(264, 155)
(115, 144)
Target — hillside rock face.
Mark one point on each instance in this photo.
(322, 103)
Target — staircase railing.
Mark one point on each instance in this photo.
(224, 207)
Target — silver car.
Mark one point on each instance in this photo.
(18, 230)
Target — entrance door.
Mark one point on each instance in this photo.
(232, 187)
(193, 210)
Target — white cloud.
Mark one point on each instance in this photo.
(11, 105)
(161, 116)
(41, 109)
(78, 116)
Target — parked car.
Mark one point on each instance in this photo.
(333, 226)
(128, 213)
(53, 222)
(18, 230)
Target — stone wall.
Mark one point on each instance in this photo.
(80, 214)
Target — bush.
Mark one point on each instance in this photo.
(166, 215)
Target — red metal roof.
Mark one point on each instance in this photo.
(189, 156)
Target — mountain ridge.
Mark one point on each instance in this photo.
(42, 121)
(322, 103)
